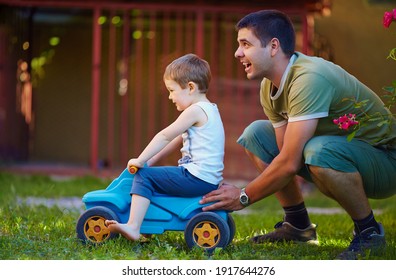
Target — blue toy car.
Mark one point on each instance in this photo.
(208, 230)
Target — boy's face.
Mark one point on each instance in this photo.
(255, 58)
(179, 96)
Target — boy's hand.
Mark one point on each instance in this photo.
(133, 165)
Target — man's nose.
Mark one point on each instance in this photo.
(238, 53)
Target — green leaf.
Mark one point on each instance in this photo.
(389, 89)
(351, 136)
(361, 103)
(385, 122)
(392, 54)
(374, 119)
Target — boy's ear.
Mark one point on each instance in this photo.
(191, 86)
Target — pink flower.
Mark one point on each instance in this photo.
(346, 121)
(388, 18)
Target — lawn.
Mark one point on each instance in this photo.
(38, 232)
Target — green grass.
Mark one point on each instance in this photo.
(41, 233)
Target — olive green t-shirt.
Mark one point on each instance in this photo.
(313, 88)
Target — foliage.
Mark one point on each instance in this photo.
(347, 121)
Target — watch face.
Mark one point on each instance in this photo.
(243, 198)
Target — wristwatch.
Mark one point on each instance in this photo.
(243, 198)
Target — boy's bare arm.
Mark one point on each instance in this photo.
(170, 148)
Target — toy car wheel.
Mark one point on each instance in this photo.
(207, 230)
(232, 227)
(91, 226)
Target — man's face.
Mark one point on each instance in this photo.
(255, 58)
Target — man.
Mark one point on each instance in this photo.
(301, 96)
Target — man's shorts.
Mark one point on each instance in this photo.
(377, 166)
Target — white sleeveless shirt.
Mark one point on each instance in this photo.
(203, 147)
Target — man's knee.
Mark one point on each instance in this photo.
(257, 129)
(259, 139)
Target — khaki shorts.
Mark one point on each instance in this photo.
(377, 166)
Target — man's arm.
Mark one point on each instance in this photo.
(291, 140)
(286, 165)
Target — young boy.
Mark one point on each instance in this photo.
(199, 128)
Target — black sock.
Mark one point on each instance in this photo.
(369, 221)
(297, 215)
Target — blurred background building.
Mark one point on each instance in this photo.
(81, 87)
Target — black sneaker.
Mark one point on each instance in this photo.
(284, 231)
(368, 240)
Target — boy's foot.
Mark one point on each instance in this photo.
(284, 231)
(368, 240)
(127, 231)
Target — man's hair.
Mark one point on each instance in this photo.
(268, 24)
(189, 68)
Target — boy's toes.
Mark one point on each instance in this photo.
(109, 222)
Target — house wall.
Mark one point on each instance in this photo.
(352, 36)
(61, 76)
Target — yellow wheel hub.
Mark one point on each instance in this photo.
(206, 234)
(95, 229)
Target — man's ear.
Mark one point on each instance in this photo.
(275, 46)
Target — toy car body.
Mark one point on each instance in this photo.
(208, 230)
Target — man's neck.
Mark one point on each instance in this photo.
(280, 68)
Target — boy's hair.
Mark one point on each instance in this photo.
(268, 24)
(189, 68)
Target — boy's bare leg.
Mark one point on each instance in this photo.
(131, 230)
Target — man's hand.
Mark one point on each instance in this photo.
(227, 197)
